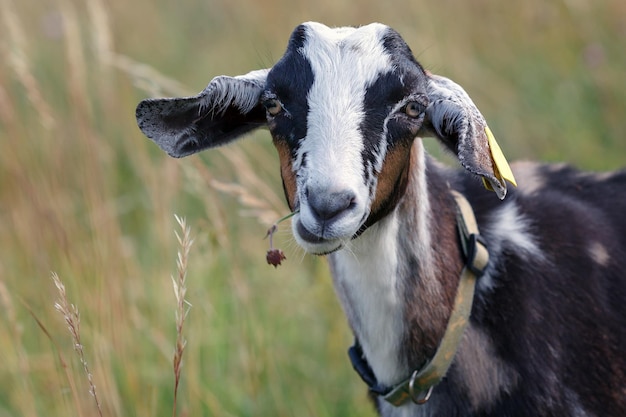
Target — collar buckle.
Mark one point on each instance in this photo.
(426, 394)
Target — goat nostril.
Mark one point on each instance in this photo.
(326, 206)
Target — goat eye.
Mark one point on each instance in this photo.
(413, 109)
(273, 106)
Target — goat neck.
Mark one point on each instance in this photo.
(397, 281)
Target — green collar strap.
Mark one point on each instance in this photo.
(419, 385)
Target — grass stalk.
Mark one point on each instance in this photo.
(72, 319)
(182, 306)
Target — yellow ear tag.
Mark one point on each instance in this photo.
(500, 164)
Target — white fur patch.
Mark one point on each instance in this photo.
(512, 227)
(576, 408)
(365, 275)
(343, 67)
(344, 62)
(599, 253)
(485, 376)
(242, 91)
(509, 228)
(421, 220)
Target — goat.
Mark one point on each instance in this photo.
(346, 108)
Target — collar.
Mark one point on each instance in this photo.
(420, 384)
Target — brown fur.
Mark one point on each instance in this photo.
(392, 182)
(286, 172)
(431, 285)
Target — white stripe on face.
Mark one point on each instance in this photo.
(345, 62)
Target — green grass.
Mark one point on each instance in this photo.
(85, 195)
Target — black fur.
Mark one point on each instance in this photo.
(559, 319)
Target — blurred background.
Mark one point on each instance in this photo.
(85, 195)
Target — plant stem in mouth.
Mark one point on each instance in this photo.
(275, 256)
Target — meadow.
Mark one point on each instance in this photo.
(84, 197)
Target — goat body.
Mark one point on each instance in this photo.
(346, 109)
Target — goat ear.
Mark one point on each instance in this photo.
(226, 109)
(456, 121)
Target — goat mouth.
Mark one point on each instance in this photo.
(307, 236)
(314, 243)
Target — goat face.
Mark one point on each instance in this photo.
(343, 112)
(343, 107)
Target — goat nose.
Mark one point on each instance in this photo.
(326, 206)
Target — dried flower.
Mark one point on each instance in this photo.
(275, 256)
